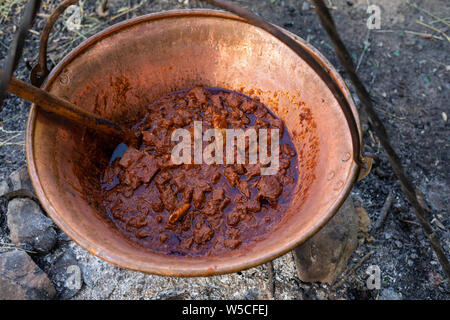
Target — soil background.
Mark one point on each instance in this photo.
(406, 67)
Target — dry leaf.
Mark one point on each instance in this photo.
(102, 9)
(363, 219)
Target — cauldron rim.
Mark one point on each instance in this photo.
(242, 264)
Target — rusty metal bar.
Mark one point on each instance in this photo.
(407, 186)
(16, 48)
(40, 71)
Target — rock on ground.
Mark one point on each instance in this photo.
(66, 275)
(324, 257)
(29, 226)
(106, 281)
(18, 184)
(22, 279)
(390, 294)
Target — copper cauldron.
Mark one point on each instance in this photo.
(119, 71)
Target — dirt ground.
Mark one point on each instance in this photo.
(406, 66)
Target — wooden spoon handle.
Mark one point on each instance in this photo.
(68, 110)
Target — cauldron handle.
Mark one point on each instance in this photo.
(40, 71)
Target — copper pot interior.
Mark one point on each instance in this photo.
(118, 72)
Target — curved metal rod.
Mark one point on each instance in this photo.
(16, 50)
(40, 71)
(407, 186)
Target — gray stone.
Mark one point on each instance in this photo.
(22, 279)
(436, 194)
(324, 257)
(306, 6)
(66, 275)
(106, 281)
(390, 294)
(29, 227)
(171, 295)
(18, 184)
(253, 294)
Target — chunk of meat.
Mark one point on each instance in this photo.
(181, 102)
(253, 205)
(186, 221)
(143, 234)
(231, 176)
(285, 180)
(215, 220)
(276, 123)
(232, 243)
(110, 174)
(219, 121)
(140, 167)
(163, 237)
(233, 233)
(162, 178)
(199, 94)
(234, 217)
(269, 188)
(187, 195)
(137, 222)
(150, 138)
(236, 123)
(130, 156)
(261, 124)
(284, 163)
(157, 206)
(261, 111)
(237, 114)
(187, 243)
(218, 195)
(165, 162)
(243, 187)
(253, 170)
(145, 169)
(248, 106)
(201, 186)
(168, 198)
(210, 208)
(216, 177)
(239, 168)
(182, 118)
(224, 203)
(118, 214)
(202, 233)
(216, 101)
(165, 123)
(180, 182)
(233, 100)
(198, 198)
(288, 150)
